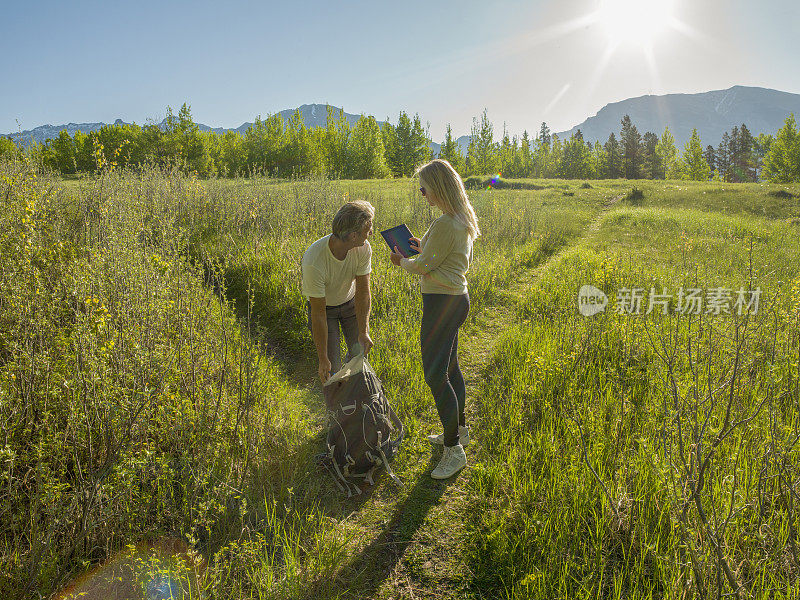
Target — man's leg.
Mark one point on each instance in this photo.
(349, 322)
(334, 341)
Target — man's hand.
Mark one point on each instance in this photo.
(324, 369)
(366, 342)
(414, 244)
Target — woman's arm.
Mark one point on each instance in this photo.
(438, 244)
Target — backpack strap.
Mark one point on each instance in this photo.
(398, 425)
(394, 477)
(347, 484)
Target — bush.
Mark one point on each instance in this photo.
(635, 197)
(130, 399)
(478, 183)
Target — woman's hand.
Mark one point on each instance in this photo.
(396, 257)
(414, 243)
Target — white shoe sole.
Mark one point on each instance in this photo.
(447, 475)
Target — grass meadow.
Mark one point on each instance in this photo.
(157, 379)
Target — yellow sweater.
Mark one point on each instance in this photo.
(446, 251)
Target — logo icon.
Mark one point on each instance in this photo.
(591, 301)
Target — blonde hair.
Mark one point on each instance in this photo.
(443, 181)
(351, 218)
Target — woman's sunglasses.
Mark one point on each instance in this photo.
(422, 189)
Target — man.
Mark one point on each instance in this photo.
(336, 272)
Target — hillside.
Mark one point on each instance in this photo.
(314, 115)
(712, 113)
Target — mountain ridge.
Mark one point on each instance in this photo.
(763, 110)
(712, 113)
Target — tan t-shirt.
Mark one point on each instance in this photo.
(325, 276)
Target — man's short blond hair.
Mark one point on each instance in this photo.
(351, 218)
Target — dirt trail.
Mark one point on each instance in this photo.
(418, 551)
(431, 565)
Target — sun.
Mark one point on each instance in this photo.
(635, 22)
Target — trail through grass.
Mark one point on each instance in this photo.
(155, 332)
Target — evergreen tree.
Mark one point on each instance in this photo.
(613, 153)
(421, 144)
(575, 158)
(696, 167)
(743, 166)
(481, 153)
(408, 145)
(554, 157)
(451, 151)
(782, 161)
(761, 146)
(527, 155)
(517, 168)
(505, 154)
(599, 161)
(650, 162)
(723, 157)
(667, 155)
(630, 139)
(544, 134)
(711, 157)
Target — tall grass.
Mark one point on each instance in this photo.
(156, 368)
(646, 456)
(151, 324)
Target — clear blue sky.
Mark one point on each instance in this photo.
(524, 61)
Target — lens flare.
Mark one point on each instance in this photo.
(637, 22)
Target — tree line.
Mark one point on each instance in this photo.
(367, 150)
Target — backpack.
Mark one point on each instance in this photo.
(360, 426)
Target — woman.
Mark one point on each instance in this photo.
(444, 255)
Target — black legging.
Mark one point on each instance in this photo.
(442, 315)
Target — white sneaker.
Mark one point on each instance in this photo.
(453, 460)
(463, 437)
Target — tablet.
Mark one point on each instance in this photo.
(399, 236)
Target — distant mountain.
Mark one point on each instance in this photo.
(48, 132)
(314, 115)
(712, 113)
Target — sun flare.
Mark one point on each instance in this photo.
(635, 22)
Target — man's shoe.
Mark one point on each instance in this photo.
(453, 460)
(463, 437)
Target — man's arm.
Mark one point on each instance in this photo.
(363, 305)
(319, 331)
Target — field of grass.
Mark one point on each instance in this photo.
(157, 379)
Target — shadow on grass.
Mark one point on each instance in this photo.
(362, 576)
